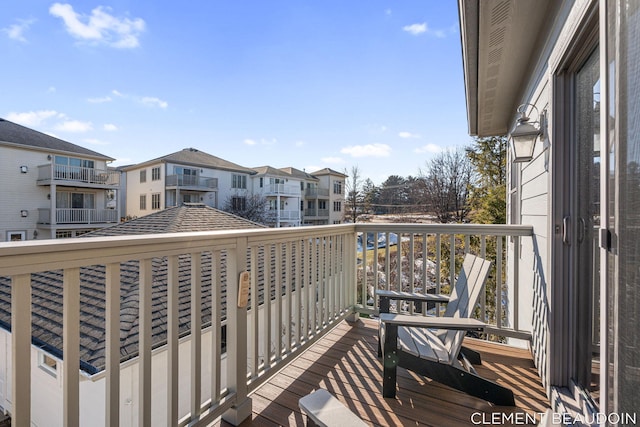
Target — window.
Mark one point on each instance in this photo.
(143, 175)
(72, 161)
(155, 174)
(301, 205)
(15, 236)
(337, 187)
(66, 200)
(64, 234)
(239, 181)
(261, 182)
(301, 186)
(143, 202)
(311, 204)
(322, 204)
(337, 221)
(337, 206)
(48, 363)
(238, 203)
(155, 201)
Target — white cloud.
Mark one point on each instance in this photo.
(116, 93)
(121, 162)
(153, 102)
(32, 118)
(423, 28)
(415, 29)
(99, 100)
(249, 142)
(300, 143)
(100, 26)
(407, 135)
(368, 150)
(75, 126)
(110, 127)
(16, 31)
(332, 160)
(429, 148)
(94, 141)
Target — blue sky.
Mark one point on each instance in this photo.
(309, 84)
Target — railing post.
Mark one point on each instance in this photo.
(71, 346)
(352, 276)
(21, 355)
(237, 336)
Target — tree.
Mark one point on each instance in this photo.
(392, 194)
(253, 208)
(488, 199)
(353, 188)
(370, 195)
(448, 183)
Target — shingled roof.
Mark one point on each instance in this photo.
(47, 290)
(195, 157)
(15, 134)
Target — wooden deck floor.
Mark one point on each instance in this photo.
(345, 363)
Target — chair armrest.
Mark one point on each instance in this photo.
(409, 296)
(454, 323)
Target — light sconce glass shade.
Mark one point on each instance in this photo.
(523, 136)
(24, 213)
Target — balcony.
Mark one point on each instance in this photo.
(315, 279)
(192, 182)
(273, 215)
(281, 189)
(78, 216)
(318, 213)
(316, 192)
(77, 176)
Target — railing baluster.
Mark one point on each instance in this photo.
(255, 321)
(196, 333)
(112, 349)
(314, 285)
(288, 256)
(498, 282)
(71, 346)
(144, 331)
(298, 247)
(452, 259)
(278, 301)
(21, 345)
(483, 298)
(172, 340)
(216, 324)
(266, 332)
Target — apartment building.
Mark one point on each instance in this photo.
(52, 188)
(325, 203)
(283, 192)
(186, 176)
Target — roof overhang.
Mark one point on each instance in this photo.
(499, 39)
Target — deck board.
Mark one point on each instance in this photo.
(345, 363)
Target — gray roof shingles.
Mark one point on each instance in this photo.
(14, 133)
(47, 289)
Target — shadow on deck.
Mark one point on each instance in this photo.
(344, 362)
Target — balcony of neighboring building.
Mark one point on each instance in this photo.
(191, 182)
(77, 176)
(280, 190)
(314, 192)
(77, 216)
(316, 213)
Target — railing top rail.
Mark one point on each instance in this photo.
(478, 229)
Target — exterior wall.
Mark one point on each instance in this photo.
(135, 188)
(20, 191)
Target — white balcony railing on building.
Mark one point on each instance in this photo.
(78, 216)
(302, 282)
(281, 189)
(315, 192)
(53, 172)
(273, 215)
(181, 180)
(316, 212)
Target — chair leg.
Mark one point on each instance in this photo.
(471, 355)
(459, 379)
(390, 361)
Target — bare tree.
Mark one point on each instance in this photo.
(355, 200)
(448, 184)
(253, 207)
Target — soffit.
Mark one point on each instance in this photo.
(499, 43)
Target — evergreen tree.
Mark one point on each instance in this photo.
(489, 196)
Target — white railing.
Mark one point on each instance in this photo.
(315, 192)
(282, 189)
(182, 180)
(79, 216)
(316, 212)
(302, 283)
(417, 257)
(78, 174)
(284, 215)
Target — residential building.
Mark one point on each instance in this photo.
(53, 188)
(569, 70)
(327, 198)
(283, 193)
(309, 191)
(186, 176)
